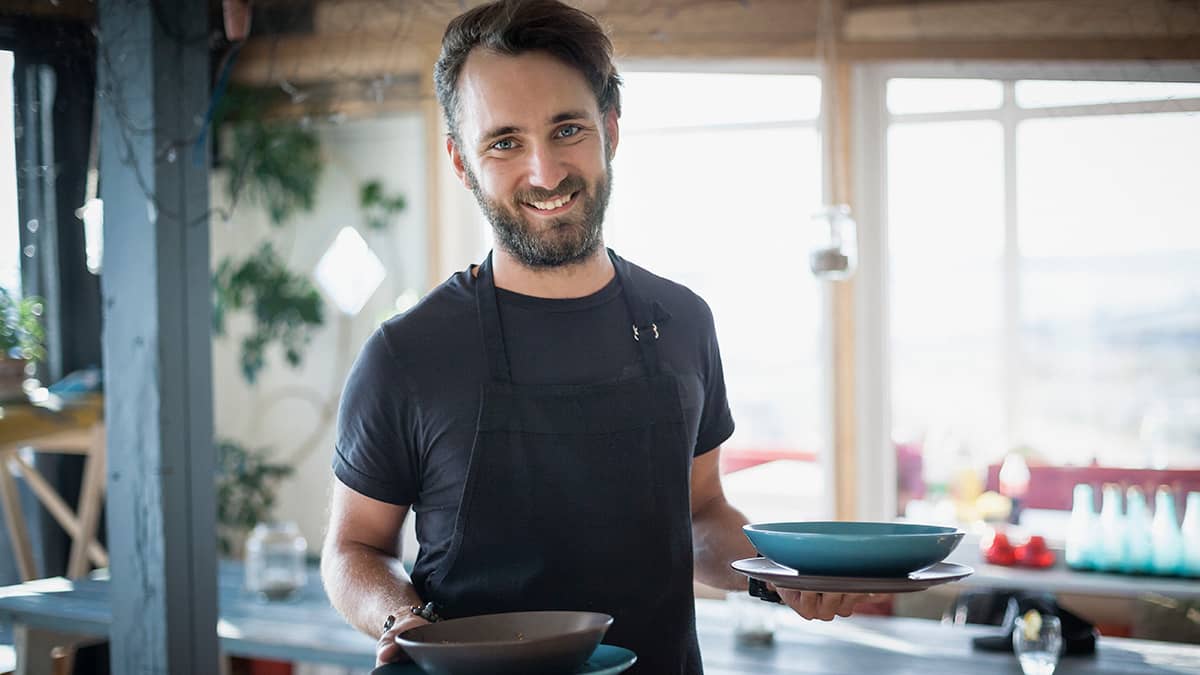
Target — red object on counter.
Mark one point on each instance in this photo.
(1035, 553)
(1000, 551)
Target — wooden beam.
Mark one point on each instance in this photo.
(650, 47)
(855, 5)
(425, 22)
(310, 60)
(91, 496)
(303, 59)
(14, 518)
(81, 10)
(1027, 20)
(1066, 49)
(845, 439)
(60, 511)
(153, 65)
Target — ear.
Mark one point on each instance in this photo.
(456, 162)
(612, 130)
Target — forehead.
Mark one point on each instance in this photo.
(523, 91)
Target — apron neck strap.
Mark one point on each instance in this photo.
(644, 327)
(489, 323)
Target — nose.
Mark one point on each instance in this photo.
(546, 169)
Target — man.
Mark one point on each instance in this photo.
(554, 415)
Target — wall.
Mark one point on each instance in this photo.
(284, 409)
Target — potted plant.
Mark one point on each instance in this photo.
(246, 484)
(21, 341)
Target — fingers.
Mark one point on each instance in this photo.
(802, 602)
(822, 606)
(829, 605)
(386, 649)
(846, 606)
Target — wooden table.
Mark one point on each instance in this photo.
(307, 629)
(78, 428)
(52, 612)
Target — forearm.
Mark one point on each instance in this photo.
(366, 584)
(718, 541)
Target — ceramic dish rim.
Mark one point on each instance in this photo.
(761, 528)
(400, 640)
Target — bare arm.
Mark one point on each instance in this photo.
(361, 568)
(716, 527)
(718, 537)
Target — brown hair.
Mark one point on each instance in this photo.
(513, 27)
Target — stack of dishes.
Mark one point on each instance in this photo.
(852, 557)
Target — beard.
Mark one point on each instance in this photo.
(563, 241)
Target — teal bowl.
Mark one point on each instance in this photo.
(850, 549)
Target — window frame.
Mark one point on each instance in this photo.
(872, 120)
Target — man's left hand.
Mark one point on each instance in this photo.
(823, 606)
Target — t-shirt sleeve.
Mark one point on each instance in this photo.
(716, 420)
(373, 451)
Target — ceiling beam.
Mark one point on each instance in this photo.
(307, 59)
(1088, 49)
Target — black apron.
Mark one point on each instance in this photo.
(577, 498)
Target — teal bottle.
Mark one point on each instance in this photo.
(1168, 540)
(1111, 556)
(1139, 551)
(1191, 536)
(1081, 531)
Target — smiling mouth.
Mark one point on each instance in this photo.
(553, 205)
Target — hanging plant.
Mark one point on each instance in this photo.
(276, 166)
(285, 307)
(377, 206)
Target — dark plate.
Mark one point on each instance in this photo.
(606, 660)
(520, 643)
(785, 577)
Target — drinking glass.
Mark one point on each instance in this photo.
(1037, 640)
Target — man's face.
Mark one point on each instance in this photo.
(536, 152)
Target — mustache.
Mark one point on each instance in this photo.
(569, 185)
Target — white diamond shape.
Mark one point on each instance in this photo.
(349, 271)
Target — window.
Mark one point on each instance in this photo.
(715, 180)
(1044, 274)
(10, 236)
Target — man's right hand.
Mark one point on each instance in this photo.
(386, 650)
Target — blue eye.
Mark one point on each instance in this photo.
(506, 144)
(569, 130)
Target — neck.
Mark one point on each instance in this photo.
(576, 280)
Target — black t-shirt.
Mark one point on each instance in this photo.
(407, 418)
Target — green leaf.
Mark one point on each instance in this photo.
(377, 206)
(285, 307)
(21, 333)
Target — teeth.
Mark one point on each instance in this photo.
(546, 206)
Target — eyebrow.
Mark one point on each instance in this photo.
(556, 119)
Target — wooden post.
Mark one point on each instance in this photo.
(839, 296)
(153, 65)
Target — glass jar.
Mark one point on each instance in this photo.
(753, 620)
(275, 560)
